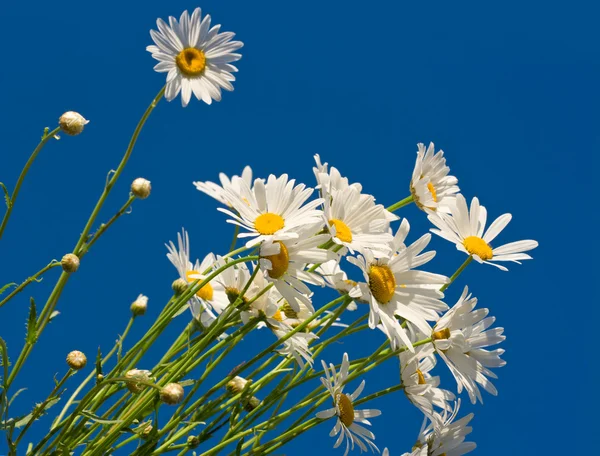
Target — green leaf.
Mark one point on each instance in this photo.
(38, 411)
(6, 196)
(99, 362)
(31, 337)
(91, 416)
(14, 396)
(188, 382)
(6, 287)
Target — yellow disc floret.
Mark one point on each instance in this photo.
(269, 223)
(345, 409)
(279, 262)
(342, 231)
(442, 334)
(433, 192)
(191, 62)
(421, 377)
(477, 246)
(206, 292)
(382, 282)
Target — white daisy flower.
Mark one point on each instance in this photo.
(467, 230)
(431, 186)
(420, 387)
(211, 299)
(284, 263)
(356, 222)
(195, 56)
(449, 439)
(394, 289)
(331, 180)
(271, 211)
(460, 337)
(297, 345)
(347, 417)
(219, 192)
(337, 279)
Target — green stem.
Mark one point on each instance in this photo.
(236, 231)
(401, 203)
(457, 273)
(34, 277)
(45, 138)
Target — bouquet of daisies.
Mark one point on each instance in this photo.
(292, 242)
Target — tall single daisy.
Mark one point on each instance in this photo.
(460, 338)
(219, 192)
(284, 263)
(195, 56)
(211, 299)
(347, 417)
(431, 186)
(466, 229)
(273, 210)
(420, 387)
(356, 222)
(394, 289)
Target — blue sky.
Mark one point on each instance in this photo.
(509, 91)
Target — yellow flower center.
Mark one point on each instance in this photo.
(206, 292)
(277, 316)
(345, 408)
(191, 62)
(441, 334)
(382, 283)
(279, 261)
(433, 192)
(342, 232)
(421, 377)
(268, 223)
(477, 246)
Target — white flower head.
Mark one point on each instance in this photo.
(211, 299)
(466, 229)
(347, 417)
(273, 210)
(219, 192)
(195, 56)
(431, 186)
(284, 262)
(331, 179)
(394, 288)
(460, 338)
(337, 279)
(420, 387)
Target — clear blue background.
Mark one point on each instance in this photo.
(509, 90)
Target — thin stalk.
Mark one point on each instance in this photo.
(45, 138)
(401, 203)
(457, 273)
(33, 278)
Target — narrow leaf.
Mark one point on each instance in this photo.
(6, 287)
(6, 195)
(31, 337)
(14, 396)
(91, 416)
(99, 362)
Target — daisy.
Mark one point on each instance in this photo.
(331, 179)
(337, 279)
(284, 263)
(297, 345)
(356, 222)
(196, 57)
(394, 289)
(420, 387)
(448, 440)
(271, 211)
(347, 418)
(460, 337)
(219, 192)
(431, 186)
(211, 299)
(467, 230)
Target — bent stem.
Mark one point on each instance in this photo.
(34, 277)
(45, 138)
(401, 203)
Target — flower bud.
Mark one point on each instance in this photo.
(179, 286)
(147, 431)
(76, 360)
(193, 441)
(139, 306)
(172, 394)
(99, 379)
(72, 123)
(236, 385)
(137, 374)
(251, 404)
(141, 188)
(70, 263)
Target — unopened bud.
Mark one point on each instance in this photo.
(139, 306)
(141, 188)
(179, 286)
(99, 378)
(193, 441)
(172, 394)
(136, 375)
(236, 385)
(147, 431)
(70, 263)
(76, 360)
(251, 404)
(72, 123)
